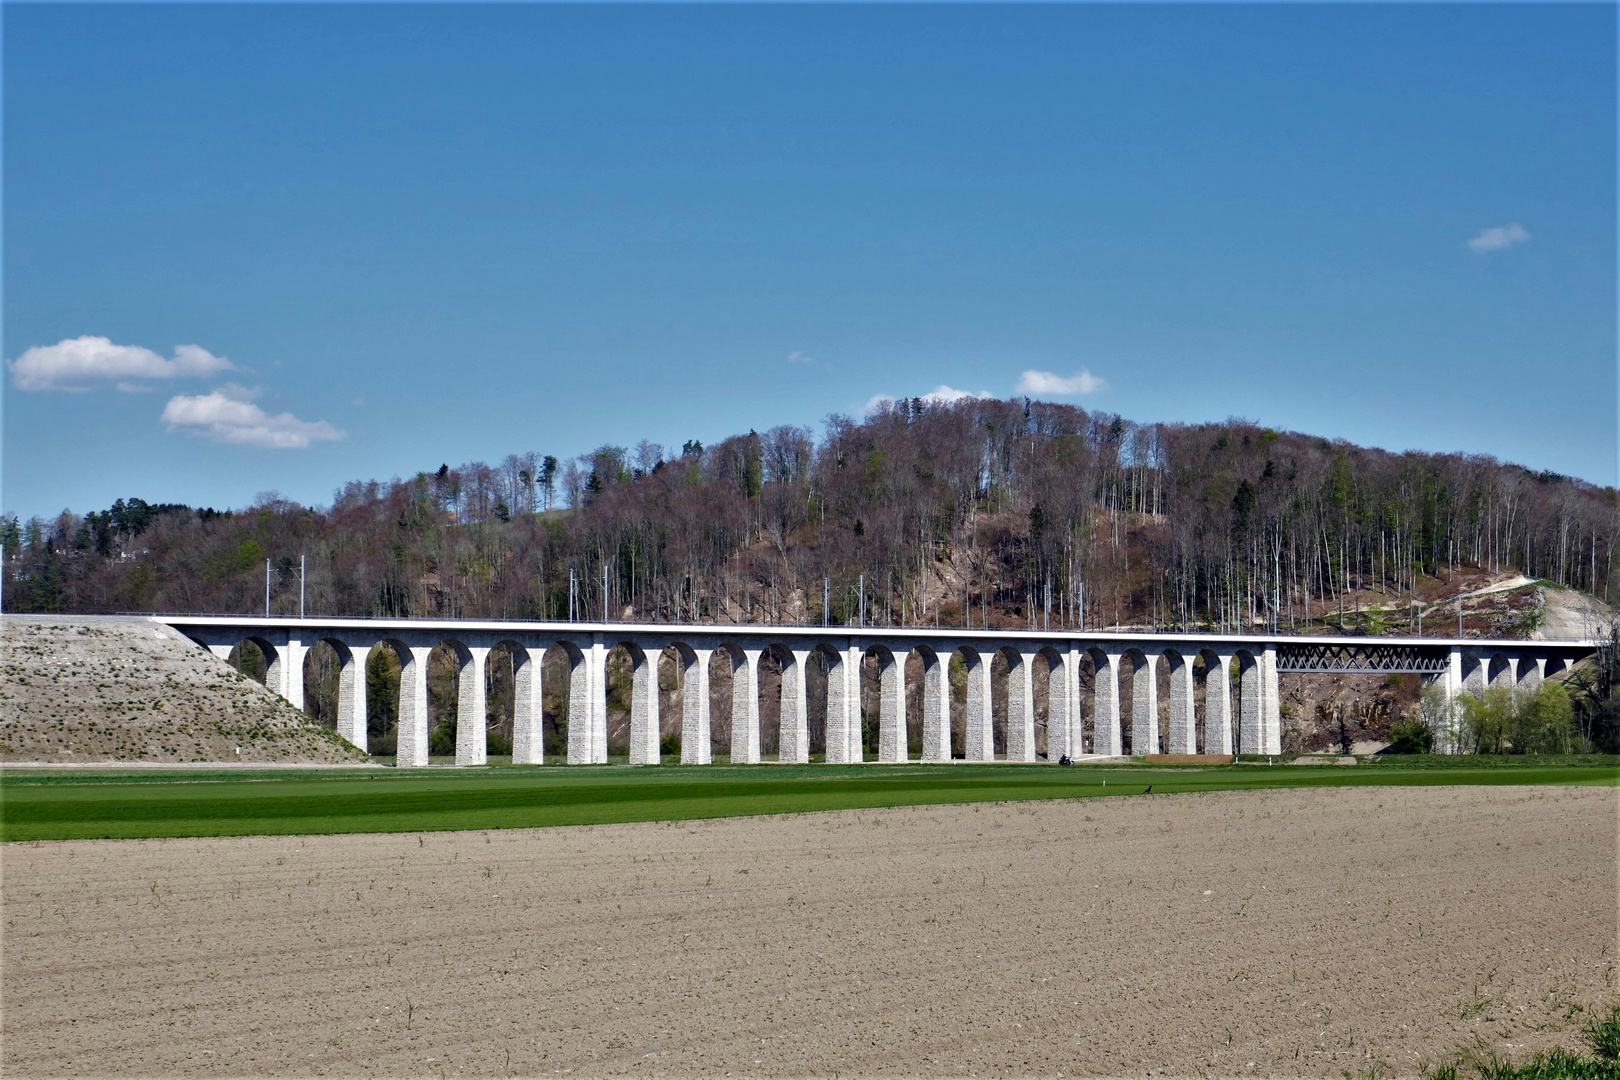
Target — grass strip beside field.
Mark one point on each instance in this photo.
(63, 806)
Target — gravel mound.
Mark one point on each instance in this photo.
(89, 689)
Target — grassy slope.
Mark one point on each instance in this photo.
(58, 806)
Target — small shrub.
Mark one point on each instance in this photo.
(497, 744)
(670, 744)
(1605, 1036)
(1411, 737)
(1504, 721)
(442, 743)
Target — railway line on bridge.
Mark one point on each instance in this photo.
(1239, 710)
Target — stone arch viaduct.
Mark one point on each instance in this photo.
(1237, 712)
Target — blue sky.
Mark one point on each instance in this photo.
(401, 236)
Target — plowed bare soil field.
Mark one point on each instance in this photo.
(1276, 933)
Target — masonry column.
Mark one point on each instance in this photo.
(1145, 707)
(1270, 703)
(980, 738)
(837, 725)
(1218, 706)
(581, 678)
(1250, 692)
(854, 741)
(1474, 683)
(795, 743)
(1445, 739)
(1057, 709)
(644, 733)
(598, 698)
(695, 746)
(745, 709)
(1532, 671)
(528, 721)
(472, 740)
(351, 717)
(1108, 740)
(1452, 705)
(848, 744)
(936, 706)
(275, 669)
(1074, 726)
(892, 743)
(1021, 710)
(413, 709)
(292, 671)
(1183, 724)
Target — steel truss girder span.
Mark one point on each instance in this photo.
(1371, 658)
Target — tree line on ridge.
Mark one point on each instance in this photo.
(973, 513)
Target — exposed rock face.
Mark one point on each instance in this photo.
(1569, 614)
(87, 689)
(1341, 712)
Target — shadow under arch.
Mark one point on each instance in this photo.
(1139, 697)
(455, 722)
(329, 677)
(632, 709)
(825, 696)
(1049, 697)
(512, 702)
(688, 722)
(934, 702)
(971, 734)
(1501, 672)
(733, 705)
(392, 703)
(266, 669)
(566, 727)
(1011, 708)
(780, 706)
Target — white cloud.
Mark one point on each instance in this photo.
(1043, 383)
(797, 357)
(944, 395)
(227, 415)
(80, 363)
(939, 395)
(1500, 238)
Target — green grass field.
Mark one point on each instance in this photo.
(60, 805)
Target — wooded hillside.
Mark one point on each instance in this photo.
(998, 512)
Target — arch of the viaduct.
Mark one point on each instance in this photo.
(1087, 716)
